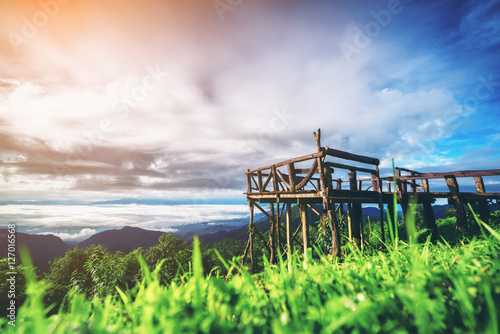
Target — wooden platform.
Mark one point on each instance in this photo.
(285, 184)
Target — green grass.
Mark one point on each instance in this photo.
(418, 288)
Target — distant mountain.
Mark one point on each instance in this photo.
(125, 239)
(188, 231)
(262, 224)
(42, 248)
(439, 210)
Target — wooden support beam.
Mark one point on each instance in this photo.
(355, 213)
(430, 220)
(377, 186)
(350, 156)
(413, 183)
(425, 185)
(353, 168)
(255, 182)
(284, 179)
(291, 177)
(272, 234)
(484, 209)
(305, 228)
(252, 262)
(243, 258)
(465, 173)
(251, 238)
(314, 210)
(277, 229)
(259, 181)
(286, 162)
(455, 199)
(289, 246)
(261, 210)
(268, 179)
(261, 237)
(308, 176)
(249, 183)
(400, 185)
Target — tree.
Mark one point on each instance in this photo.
(175, 253)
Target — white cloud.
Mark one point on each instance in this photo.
(83, 234)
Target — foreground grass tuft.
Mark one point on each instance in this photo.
(418, 288)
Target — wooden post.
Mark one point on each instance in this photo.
(249, 183)
(251, 253)
(278, 224)
(413, 183)
(275, 178)
(291, 177)
(259, 180)
(355, 213)
(484, 209)
(305, 228)
(341, 205)
(458, 206)
(289, 246)
(289, 228)
(251, 237)
(425, 185)
(331, 216)
(430, 220)
(272, 234)
(325, 191)
(402, 191)
(377, 186)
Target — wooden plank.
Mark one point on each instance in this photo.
(465, 173)
(286, 162)
(408, 170)
(353, 168)
(458, 206)
(351, 156)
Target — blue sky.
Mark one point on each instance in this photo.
(177, 99)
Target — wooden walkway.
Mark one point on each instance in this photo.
(285, 184)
